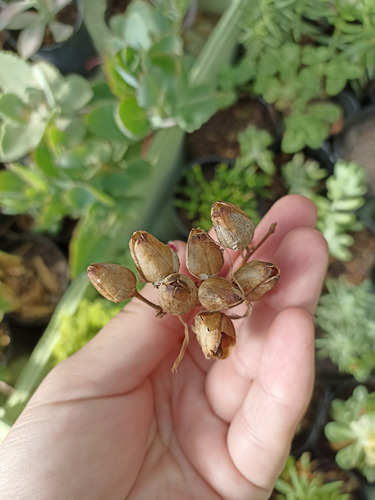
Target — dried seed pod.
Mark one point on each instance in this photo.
(256, 278)
(204, 257)
(177, 294)
(215, 333)
(116, 283)
(153, 259)
(234, 229)
(216, 294)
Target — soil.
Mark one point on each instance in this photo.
(362, 264)
(219, 135)
(329, 472)
(357, 143)
(67, 15)
(115, 7)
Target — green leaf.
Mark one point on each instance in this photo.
(138, 169)
(170, 44)
(60, 31)
(66, 136)
(44, 161)
(75, 93)
(81, 197)
(101, 91)
(17, 141)
(10, 12)
(13, 108)
(11, 183)
(314, 55)
(30, 39)
(200, 104)
(148, 94)
(32, 178)
(15, 74)
(132, 119)
(101, 122)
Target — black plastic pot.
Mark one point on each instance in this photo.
(77, 54)
(320, 445)
(315, 417)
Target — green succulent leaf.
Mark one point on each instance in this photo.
(101, 122)
(14, 109)
(17, 140)
(31, 38)
(15, 74)
(132, 119)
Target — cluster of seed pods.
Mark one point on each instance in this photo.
(178, 293)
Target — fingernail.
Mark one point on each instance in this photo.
(172, 245)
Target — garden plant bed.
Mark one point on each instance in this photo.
(105, 155)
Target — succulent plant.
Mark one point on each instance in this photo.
(346, 315)
(337, 197)
(32, 18)
(300, 480)
(352, 432)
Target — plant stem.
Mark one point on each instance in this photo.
(250, 250)
(160, 312)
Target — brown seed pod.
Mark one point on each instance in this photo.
(204, 257)
(177, 294)
(153, 259)
(116, 283)
(234, 229)
(256, 278)
(215, 333)
(216, 294)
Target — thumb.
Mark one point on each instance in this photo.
(133, 344)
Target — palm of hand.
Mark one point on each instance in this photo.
(112, 422)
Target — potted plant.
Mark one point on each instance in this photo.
(345, 314)
(351, 432)
(33, 98)
(308, 479)
(292, 58)
(49, 30)
(152, 77)
(214, 178)
(337, 197)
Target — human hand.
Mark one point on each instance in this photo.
(112, 422)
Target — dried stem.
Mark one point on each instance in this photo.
(160, 312)
(183, 347)
(247, 313)
(248, 251)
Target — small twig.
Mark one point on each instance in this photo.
(250, 250)
(183, 347)
(160, 312)
(248, 312)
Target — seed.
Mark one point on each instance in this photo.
(153, 259)
(256, 278)
(234, 229)
(116, 283)
(215, 333)
(216, 294)
(204, 257)
(177, 294)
